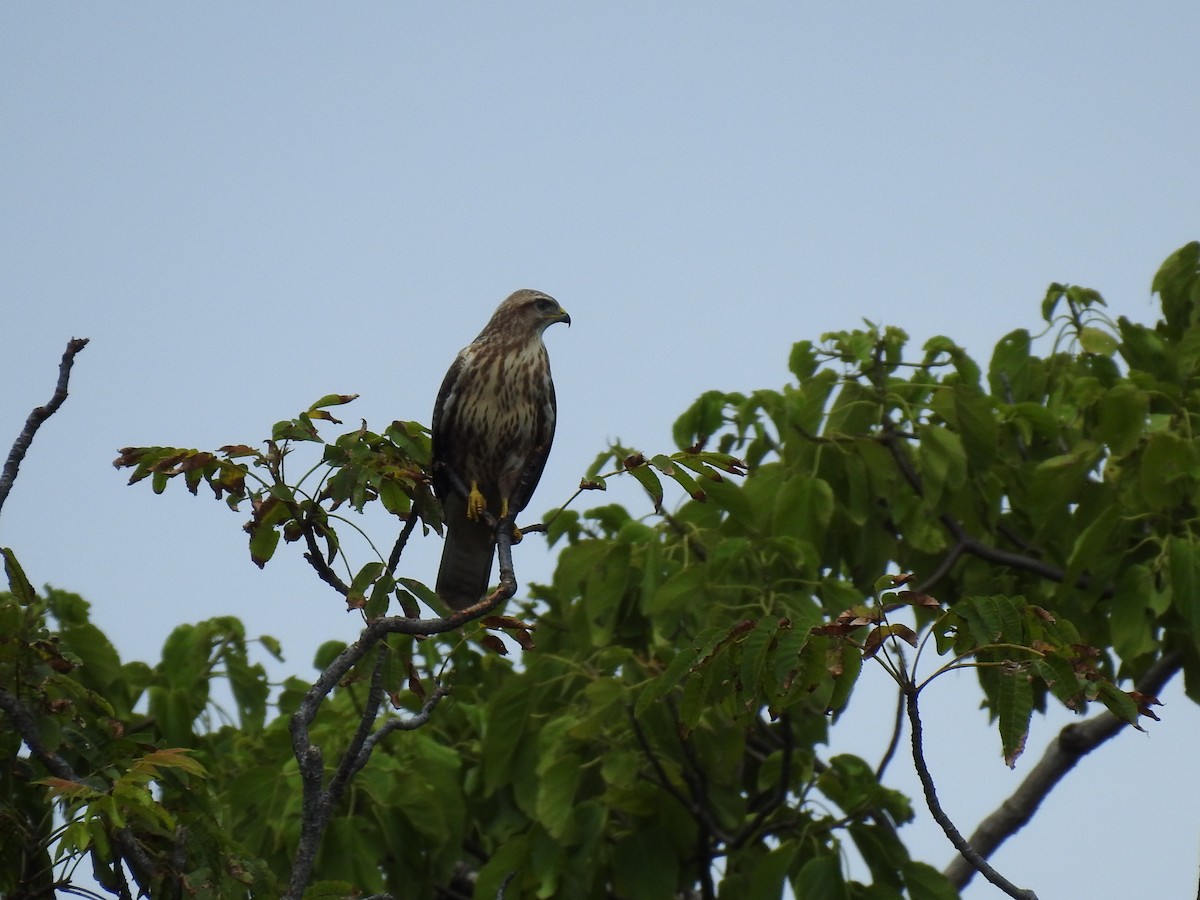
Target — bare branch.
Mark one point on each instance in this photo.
(1073, 743)
(39, 415)
(935, 808)
(318, 801)
(401, 540)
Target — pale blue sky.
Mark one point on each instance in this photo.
(247, 207)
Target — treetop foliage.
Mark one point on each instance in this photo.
(662, 732)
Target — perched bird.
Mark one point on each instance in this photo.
(492, 428)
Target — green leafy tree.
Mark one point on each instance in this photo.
(662, 731)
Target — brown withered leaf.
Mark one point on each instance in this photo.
(323, 415)
(898, 580)
(130, 456)
(414, 680)
(859, 615)
(1144, 702)
(524, 638)
(922, 600)
(493, 643)
(632, 462)
(1042, 614)
(837, 629)
(505, 622)
(873, 642)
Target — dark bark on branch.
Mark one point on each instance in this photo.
(968, 852)
(319, 801)
(39, 415)
(1073, 743)
(964, 542)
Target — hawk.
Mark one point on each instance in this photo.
(492, 428)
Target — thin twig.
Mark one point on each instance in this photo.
(935, 808)
(964, 542)
(39, 415)
(394, 559)
(894, 743)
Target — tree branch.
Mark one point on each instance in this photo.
(124, 838)
(964, 542)
(1073, 743)
(39, 415)
(935, 808)
(318, 801)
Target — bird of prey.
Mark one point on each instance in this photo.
(492, 428)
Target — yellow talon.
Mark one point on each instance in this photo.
(476, 504)
(516, 532)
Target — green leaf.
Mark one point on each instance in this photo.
(768, 876)
(821, 879)
(643, 870)
(943, 462)
(557, 785)
(333, 400)
(802, 362)
(1167, 470)
(1014, 707)
(1010, 374)
(1121, 416)
(647, 479)
(511, 859)
(1132, 624)
(1184, 570)
(1098, 341)
(422, 592)
(804, 508)
(656, 688)
(362, 580)
(924, 882)
(703, 419)
(506, 726)
(263, 542)
(1054, 293)
(17, 582)
(677, 472)
(1058, 675)
(977, 426)
(1177, 283)
(1119, 703)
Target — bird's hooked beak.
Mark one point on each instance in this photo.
(564, 317)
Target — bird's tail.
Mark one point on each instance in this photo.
(466, 563)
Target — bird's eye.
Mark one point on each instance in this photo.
(546, 306)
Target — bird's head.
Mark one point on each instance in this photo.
(528, 310)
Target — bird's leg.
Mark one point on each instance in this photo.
(477, 503)
(512, 523)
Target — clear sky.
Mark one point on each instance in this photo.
(247, 206)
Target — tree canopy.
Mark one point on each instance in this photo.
(651, 723)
